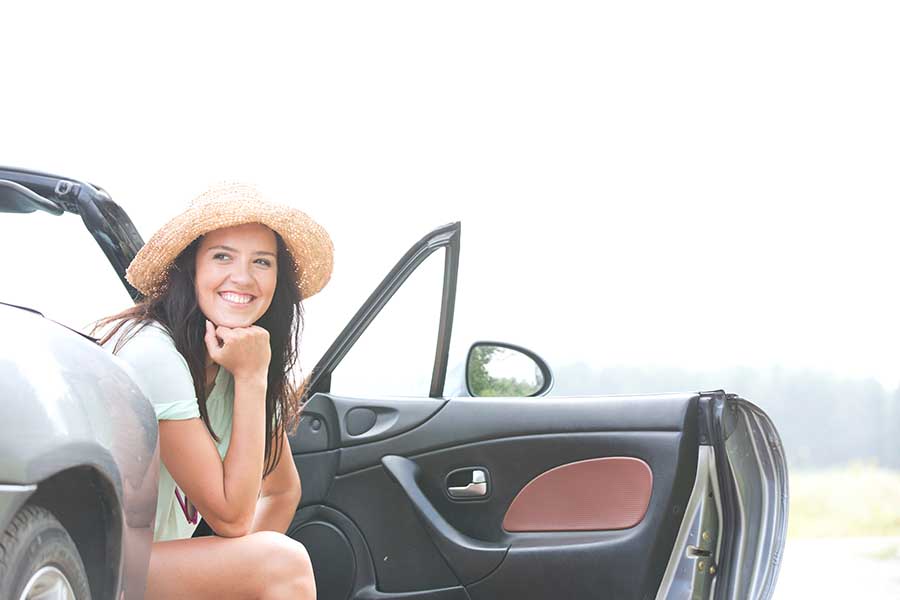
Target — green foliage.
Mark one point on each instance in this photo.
(482, 384)
(479, 380)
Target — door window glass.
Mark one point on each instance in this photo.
(395, 355)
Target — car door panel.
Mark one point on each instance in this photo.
(466, 420)
(379, 521)
(404, 555)
(469, 558)
(317, 471)
(329, 422)
(594, 494)
(515, 441)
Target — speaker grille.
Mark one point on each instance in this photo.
(332, 558)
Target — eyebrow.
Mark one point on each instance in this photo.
(230, 249)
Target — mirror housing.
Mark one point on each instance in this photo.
(504, 369)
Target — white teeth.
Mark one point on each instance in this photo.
(237, 298)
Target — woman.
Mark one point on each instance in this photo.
(213, 346)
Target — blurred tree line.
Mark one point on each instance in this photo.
(823, 420)
(483, 384)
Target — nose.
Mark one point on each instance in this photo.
(240, 274)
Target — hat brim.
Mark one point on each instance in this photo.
(307, 241)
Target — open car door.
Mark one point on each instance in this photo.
(462, 498)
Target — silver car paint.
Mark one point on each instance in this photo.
(66, 402)
(755, 457)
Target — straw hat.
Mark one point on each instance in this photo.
(226, 205)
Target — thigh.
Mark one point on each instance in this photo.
(214, 567)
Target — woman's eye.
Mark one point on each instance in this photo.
(264, 262)
(220, 256)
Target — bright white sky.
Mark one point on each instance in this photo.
(675, 184)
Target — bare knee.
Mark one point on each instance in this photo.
(287, 568)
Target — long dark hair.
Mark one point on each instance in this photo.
(177, 311)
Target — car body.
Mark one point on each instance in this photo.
(449, 496)
(77, 436)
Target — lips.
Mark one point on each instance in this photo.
(236, 299)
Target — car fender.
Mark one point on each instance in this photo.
(69, 408)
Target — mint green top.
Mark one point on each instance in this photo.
(162, 373)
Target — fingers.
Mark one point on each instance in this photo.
(212, 340)
(241, 350)
(226, 334)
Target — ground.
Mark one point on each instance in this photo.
(826, 568)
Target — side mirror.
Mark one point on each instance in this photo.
(501, 369)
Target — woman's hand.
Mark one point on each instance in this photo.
(244, 351)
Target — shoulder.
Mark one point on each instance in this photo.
(146, 345)
(159, 370)
(141, 335)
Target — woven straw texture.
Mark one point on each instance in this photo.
(227, 205)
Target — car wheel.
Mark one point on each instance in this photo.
(38, 559)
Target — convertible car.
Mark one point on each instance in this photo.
(483, 488)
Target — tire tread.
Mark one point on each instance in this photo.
(32, 517)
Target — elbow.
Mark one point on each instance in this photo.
(231, 525)
(231, 529)
(289, 496)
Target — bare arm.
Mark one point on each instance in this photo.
(225, 491)
(280, 495)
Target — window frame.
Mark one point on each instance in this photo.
(446, 236)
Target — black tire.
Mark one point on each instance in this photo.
(36, 539)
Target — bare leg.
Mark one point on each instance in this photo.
(260, 566)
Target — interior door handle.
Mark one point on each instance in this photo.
(477, 488)
(469, 558)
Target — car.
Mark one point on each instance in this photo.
(79, 461)
(481, 487)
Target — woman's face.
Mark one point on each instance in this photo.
(236, 274)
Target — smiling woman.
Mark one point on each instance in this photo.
(213, 345)
(236, 274)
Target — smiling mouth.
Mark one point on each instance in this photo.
(236, 299)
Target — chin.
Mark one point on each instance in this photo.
(231, 321)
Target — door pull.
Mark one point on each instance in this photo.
(477, 488)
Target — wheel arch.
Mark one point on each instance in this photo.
(85, 502)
